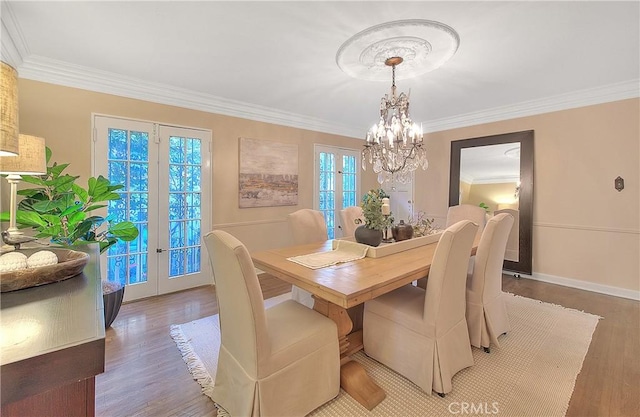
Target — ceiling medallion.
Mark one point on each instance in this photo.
(423, 44)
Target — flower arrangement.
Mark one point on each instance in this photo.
(372, 210)
(422, 226)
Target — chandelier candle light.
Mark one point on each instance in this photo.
(394, 146)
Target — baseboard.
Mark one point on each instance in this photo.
(581, 285)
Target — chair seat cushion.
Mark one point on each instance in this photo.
(404, 306)
(295, 331)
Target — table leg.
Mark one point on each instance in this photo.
(353, 377)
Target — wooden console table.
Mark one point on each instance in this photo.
(52, 342)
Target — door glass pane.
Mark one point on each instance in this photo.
(185, 181)
(124, 258)
(326, 188)
(348, 181)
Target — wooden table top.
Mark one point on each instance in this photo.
(351, 283)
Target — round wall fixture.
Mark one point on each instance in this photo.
(424, 46)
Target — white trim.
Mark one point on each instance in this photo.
(14, 46)
(581, 285)
(581, 98)
(58, 72)
(62, 73)
(586, 228)
(249, 223)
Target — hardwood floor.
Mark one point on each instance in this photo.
(145, 375)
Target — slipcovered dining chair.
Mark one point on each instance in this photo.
(422, 334)
(280, 361)
(486, 311)
(511, 252)
(308, 226)
(476, 214)
(348, 216)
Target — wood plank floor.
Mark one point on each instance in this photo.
(145, 375)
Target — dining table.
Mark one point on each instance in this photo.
(339, 292)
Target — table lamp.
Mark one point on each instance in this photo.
(9, 110)
(31, 160)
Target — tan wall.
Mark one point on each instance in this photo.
(62, 116)
(490, 194)
(583, 228)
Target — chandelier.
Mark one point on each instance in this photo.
(394, 146)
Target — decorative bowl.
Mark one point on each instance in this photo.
(70, 263)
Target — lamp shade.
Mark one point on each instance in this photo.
(31, 159)
(9, 110)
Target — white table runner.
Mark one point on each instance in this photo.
(344, 251)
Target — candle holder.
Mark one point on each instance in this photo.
(385, 233)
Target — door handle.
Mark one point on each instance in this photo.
(159, 250)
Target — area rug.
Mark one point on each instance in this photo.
(533, 373)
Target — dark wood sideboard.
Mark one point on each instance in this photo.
(52, 346)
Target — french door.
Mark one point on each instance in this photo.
(166, 173)
(337, 184)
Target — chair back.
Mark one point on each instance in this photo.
(445, 303)
(243, 327)
(348, 216)
(308, 226)
(487, 270)
(476, 214)
(513, 242)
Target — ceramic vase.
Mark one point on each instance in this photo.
(368, 236)
(402, 231)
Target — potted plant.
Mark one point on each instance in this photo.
(375, 222)
(60, 210)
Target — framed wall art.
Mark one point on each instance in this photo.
(268, 173)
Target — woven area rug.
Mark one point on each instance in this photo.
(533, 373)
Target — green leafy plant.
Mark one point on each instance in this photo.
(372, 210)
(484, 206)
(59, 209)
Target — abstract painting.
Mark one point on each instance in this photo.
(268, 174)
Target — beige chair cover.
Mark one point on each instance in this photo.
(348, 216)
(486, 311)
(308, 226)
(511, 253)
(421, 334)
(476, 214)
(283, 361)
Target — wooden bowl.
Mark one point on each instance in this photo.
(70, 263)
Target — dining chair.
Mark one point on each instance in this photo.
(348, 217)
(476, 214)
(511, 252)
(279, 361)
(307, 226)
(487, 316)
(422, 334)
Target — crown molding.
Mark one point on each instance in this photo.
(47, 70)
(598, 95)
(14, 47)
(62, 73)
(502, 179)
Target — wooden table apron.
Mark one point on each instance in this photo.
(344, 286)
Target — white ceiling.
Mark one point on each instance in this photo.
(276, 61)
